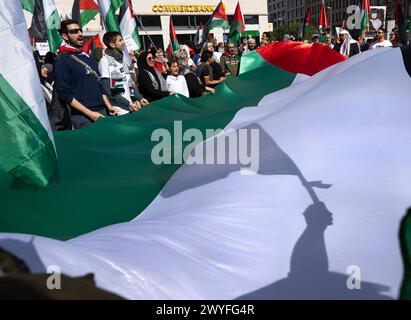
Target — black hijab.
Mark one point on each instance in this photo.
(142, 65)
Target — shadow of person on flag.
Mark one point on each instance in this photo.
(309, 276)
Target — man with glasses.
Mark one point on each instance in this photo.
(380, 42)
(229, 61)
(77, 79)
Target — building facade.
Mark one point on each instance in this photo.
(282, 12)
(153, 18)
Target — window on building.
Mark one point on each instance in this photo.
(180, 21)
(251, 19)
(149, 22)
(148, 40)
(201, 19)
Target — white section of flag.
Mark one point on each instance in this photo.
(20, 70)
(104, 7)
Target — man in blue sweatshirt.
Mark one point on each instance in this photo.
(77, 83)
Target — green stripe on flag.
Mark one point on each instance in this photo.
(106, 174)
(235, 35)
(111, 18)
(87, 15)
(27, 151)
(252, 61)
(137, 39)
(218, 23)
(175, 45)
(28, 5)
(53, 35)
(254, 33)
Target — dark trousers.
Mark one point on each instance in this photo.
(81, 120)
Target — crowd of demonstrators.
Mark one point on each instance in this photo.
(345, 44)
(103, 84)
(100, 84)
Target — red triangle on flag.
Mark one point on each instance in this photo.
(88, 5)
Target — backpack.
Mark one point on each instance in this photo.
(59, 113)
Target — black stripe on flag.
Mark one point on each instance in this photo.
(123, 11)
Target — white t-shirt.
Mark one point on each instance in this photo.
(117, 73)
(177, 84)
(383, 44)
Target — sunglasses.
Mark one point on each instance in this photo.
(75, 31)
(150, 58)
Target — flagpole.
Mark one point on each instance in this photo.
(144, 29)
(330, 22)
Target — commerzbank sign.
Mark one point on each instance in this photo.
(182, 8)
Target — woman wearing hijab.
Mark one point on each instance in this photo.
(151, 83)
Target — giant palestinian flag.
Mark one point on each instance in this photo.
(26, 141)
(324, 198)
(114, 146)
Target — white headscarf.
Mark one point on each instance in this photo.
(345, 47)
